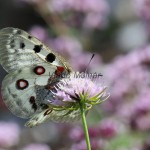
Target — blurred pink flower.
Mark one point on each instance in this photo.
(108, 128)
(129, 77)
(99, 6)
(143, 123)
(94, 12)
(39, 32)
(36, 146)
(76, 133)
(9, 134)
(95, 145)
(93, 20)
(142, 8)
(66, 45)
(146, 145)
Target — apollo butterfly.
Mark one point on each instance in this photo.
(33, 69)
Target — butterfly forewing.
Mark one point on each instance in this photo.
(19, 49)
(33, 71)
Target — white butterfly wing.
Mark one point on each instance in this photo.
(56, 116)
(24, 91)
(19, 49)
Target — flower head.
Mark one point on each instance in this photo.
(77, 89)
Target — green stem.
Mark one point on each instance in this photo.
(85, 127)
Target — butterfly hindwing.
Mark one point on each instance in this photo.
(56, 116)
(24, 91)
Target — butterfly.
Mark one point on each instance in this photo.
(33, 70)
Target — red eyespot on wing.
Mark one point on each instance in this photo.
(39, 70)
(21, 84)
(59, 70)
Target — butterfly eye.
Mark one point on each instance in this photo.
(39, 70)
(22, 84)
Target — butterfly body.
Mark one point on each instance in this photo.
(33, 71)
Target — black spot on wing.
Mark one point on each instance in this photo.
(37, 48)
(22, 45)
(32, 100)
(50, 57)
(29, 37)
(34, 106)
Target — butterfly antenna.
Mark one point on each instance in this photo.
(89, 63)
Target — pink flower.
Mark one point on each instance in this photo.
(93, 13)
(76, 133)
(129, 78)
(39, 32)
(66, 45)
(95, 145)
(142, 8)
(9, 134)
(75, 89)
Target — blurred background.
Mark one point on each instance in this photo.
(118, 33)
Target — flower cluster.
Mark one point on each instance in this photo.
(91, 13)
(142, 8)
(9, 134)
(13, 137)
(99, 134)
(86, 14)
(130, 88)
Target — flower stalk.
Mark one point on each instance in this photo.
(85, 125)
